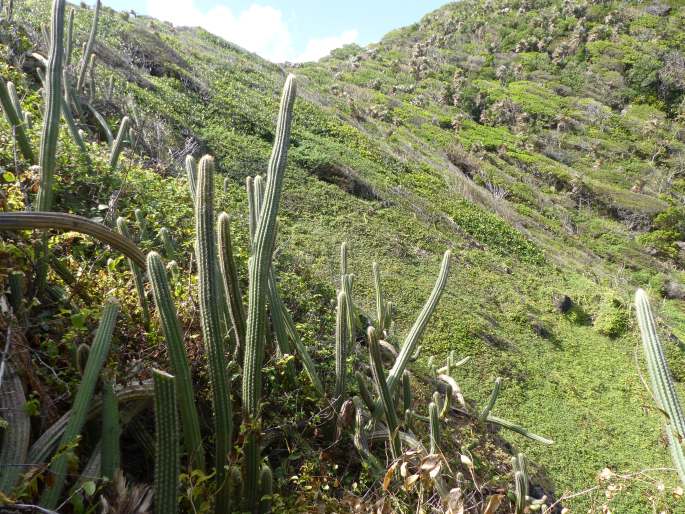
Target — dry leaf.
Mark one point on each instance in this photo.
(388, 476)
(410, 482)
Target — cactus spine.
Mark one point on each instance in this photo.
(179, 359)
(209, 318)
(263, 244)
(79, 410)
(70, 38)
(53, 107)
(661, 380)
(166, 448)
(111, 431)
(231, 283)
(137, 273)
(89, 48)
(118, 144)
(386, 396)
(15, 121)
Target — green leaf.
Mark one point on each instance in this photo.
(89, 488)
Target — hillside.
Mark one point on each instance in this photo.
(542, 142)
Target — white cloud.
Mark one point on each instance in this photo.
(320, 47)
(258, 28)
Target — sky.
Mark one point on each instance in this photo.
(292, 30)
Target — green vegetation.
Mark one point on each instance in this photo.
(540, 142)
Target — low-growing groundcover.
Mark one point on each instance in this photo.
(544, 149)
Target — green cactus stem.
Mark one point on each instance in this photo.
(518, 429)
(191, 173)
(70, 38)
(53, 108)
(491, 402)
(518, 465)
(341, 344)
(17, 433)
(91, 76)
(406, 392)
(263, 245)
(139, 215)
(111, 432)
(380, 300)
(85, 59)
(14, 97)
(103, 124)
(167, 455)
(173, 333)
(110, 88)
(266, 486)
(168, 243)
(28, 120)
(661, 379)
(71, 222)
(231, 283)
(16, 122)
(71, 123)
(208, 282)
(434, 424)
(118, 144)
(138, 275)
(447, 404)
(16, 281)
(386, 397)
(81, 357)
(364, 393)
(77, 417)
(412, 339)
(360, 440)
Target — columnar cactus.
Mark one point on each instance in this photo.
(15, 121)
(70, 38)
(412, 339)
(103, 124)
(69, 118)
(661, 380)
(266, 486)
(79, 410)
(118, 144)
(434, 423)
(380, 300)
(341, 345)
(179, 359)
(191, 173)
(137, 272)
(209, 317)
(385, 394)
(111, 431)
(168, 243)
(16, 283)
(53, 107)
(91, 77)
(167, 455)
(85, 59)
(491, 402)
(263, 245)
(28, 120)
(14, 97)
(406, 392)
(518, 464)
(231, 283)
(110, 88)
(17, 433)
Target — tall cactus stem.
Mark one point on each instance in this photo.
(14, 97)
(191, 173)
(79, 410)
(434, 418)
(263, 245)
(386, 397)
(167, 243)
(231, 283)
(491, 401)
(341, 344)
(118, 144)
(406, 392)
(518, 464)
(53, 107)
(266, 487)
(209, 317)
(16, 122)
(85, 59)
(138, 275)
(70, 38)
(167, 455)
(178, 357)
(380, 301)
(661, 378)
(16, 283)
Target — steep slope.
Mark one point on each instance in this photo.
(541, 141)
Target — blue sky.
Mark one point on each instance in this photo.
(294, 30)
